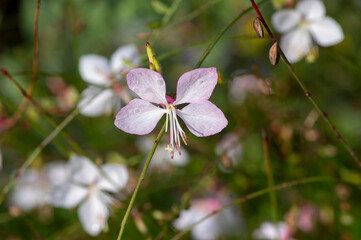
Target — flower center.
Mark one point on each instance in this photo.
(175, 131)
(304, 23)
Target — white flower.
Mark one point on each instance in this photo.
(32, 189)
(268, 230)
(100, 72)
(161, 158)
(86, 187)
(303, 26)
(224, 223)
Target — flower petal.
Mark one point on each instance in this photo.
(196, 85)
(93, 214)
(296, 44)
(311, 9)
(147, 84)
(67, 195)
(284, 20)
(94, 69)
(95, 102)
(327, 32)
(115, 179)
(138, 117)
(83, 171)
(57, 172)
(203, 118)
(124, 58)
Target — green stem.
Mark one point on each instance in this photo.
(251, 196)
(140, 180)
(270, 179)
(221, 33)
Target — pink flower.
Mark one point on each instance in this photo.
(194, 88)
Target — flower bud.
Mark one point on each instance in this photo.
(258, 28)
(274, 54)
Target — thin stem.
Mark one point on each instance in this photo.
(270, 180)
(68, 139)
(36, 152)
(307, 92)
(251, 196)
(140, 180)
(220, 34)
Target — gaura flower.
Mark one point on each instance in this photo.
(279, 231)
(304, 26)
(194, 88)
(87, 186)
(101, 73)
(224, 223)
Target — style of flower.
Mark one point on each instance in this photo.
(224, 223)
(268, 230)
(161, 160)
(94, 69)
(194, 88)
(304, 26)
(33, 187)
(87, 186)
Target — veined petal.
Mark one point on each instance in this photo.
(124, 58)
(203, 118)
(284, 20)
(311, 9)
(95, 102)
(93, 214)
(296, 44)
(138, 117)
(326, 32)
(67, 195)
(116, 177)
(196, 85)
(94, 69)
(83, 171)
(147, 84)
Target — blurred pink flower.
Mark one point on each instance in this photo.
(305, 25)
(194, 88)
(224, 223)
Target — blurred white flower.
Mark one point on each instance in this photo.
(32, 189)
(100, 72)
(230, 150)
(268, 230)
(224, 223)
(86, 187)
(303, 26)
(161, 158)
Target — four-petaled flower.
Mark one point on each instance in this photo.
(304, 25)
(194, 88)
(86, 185)
(101, 73)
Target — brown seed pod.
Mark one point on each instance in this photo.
(258, 28)
(274, 54)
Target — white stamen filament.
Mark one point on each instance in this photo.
(175, 131)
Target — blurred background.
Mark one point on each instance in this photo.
(254, 96)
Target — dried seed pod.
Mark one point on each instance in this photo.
(274, 54)
(258, 28)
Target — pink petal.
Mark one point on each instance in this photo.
(138, 117)
(94, 69)
(203, 118)
(284, 20)
(147, 84)
(326, 32)
(311, 9)
(196, 85)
